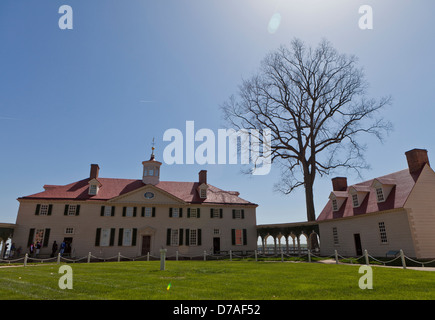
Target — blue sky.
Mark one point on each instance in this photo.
(129, 70)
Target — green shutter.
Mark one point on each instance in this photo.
(133, 240)
(170, 212)
(180, 212)
(50, 207)
(97, 236)
(245, 237)
(187, 237)
(38, 207)
(46, 237)
(211, 212)
(234, 213)
(188, 212)
(102, 211)
(77, 210)
(154, 212)
(198, 237)
(120, 236)
(168, 237)
(31, 234)
(220, 213)
(233, 236)
(180, 240)
(142, 212)
(124, 210)
(112, 236)
(243, 214)
(134, 211)
(113, 211)
(65, 212)
(197, 213)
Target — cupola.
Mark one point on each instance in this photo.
(151, 170)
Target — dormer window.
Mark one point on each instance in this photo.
(334, 205)
(337, 199)
(383, 187)
(355, 201)
(203, 193)
(358, 194)
(380, 194)
(93, 188)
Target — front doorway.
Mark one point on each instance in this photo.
(216, 245)
(68, 242)
(146, 244)
(358, 248)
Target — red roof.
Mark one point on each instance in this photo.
(112, 188)
(403, 183)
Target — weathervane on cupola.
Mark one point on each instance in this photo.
(151, 169)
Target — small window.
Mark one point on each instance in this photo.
(237, 214)
(355, 200)
(383, 232)
(175, 212)
(239, 237)
(39, 235)
(107, 211)
(129, 212)
(193, 213)
(72, 208)
(380, 194)
(105, 237)
(215, 213)
(93, 189)
(126, 237)
(203, 193)
(193, 238)
(174, 237)
(44, 210)
(69, 230)
(334, 205)
(335, 235)
(148, 211)
(216, 232)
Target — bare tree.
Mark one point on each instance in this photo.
(315, 103)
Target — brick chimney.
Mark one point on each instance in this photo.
(339, 184)
(94, 171)
(202, 177)
(416, 158)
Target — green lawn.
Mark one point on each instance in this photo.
(213, 280)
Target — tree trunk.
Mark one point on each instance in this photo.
(309, 198)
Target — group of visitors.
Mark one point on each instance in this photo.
(34, 249)
(54, 248)
(12, 252)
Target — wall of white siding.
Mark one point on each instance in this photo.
(397, 231)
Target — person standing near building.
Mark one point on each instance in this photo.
(38, 248)
(62, 247)
(53, 249)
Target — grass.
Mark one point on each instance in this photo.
(213, 280)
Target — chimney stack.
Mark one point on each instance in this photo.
(339, 184)
(94, 171)
(203, 177)
(416, 158)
